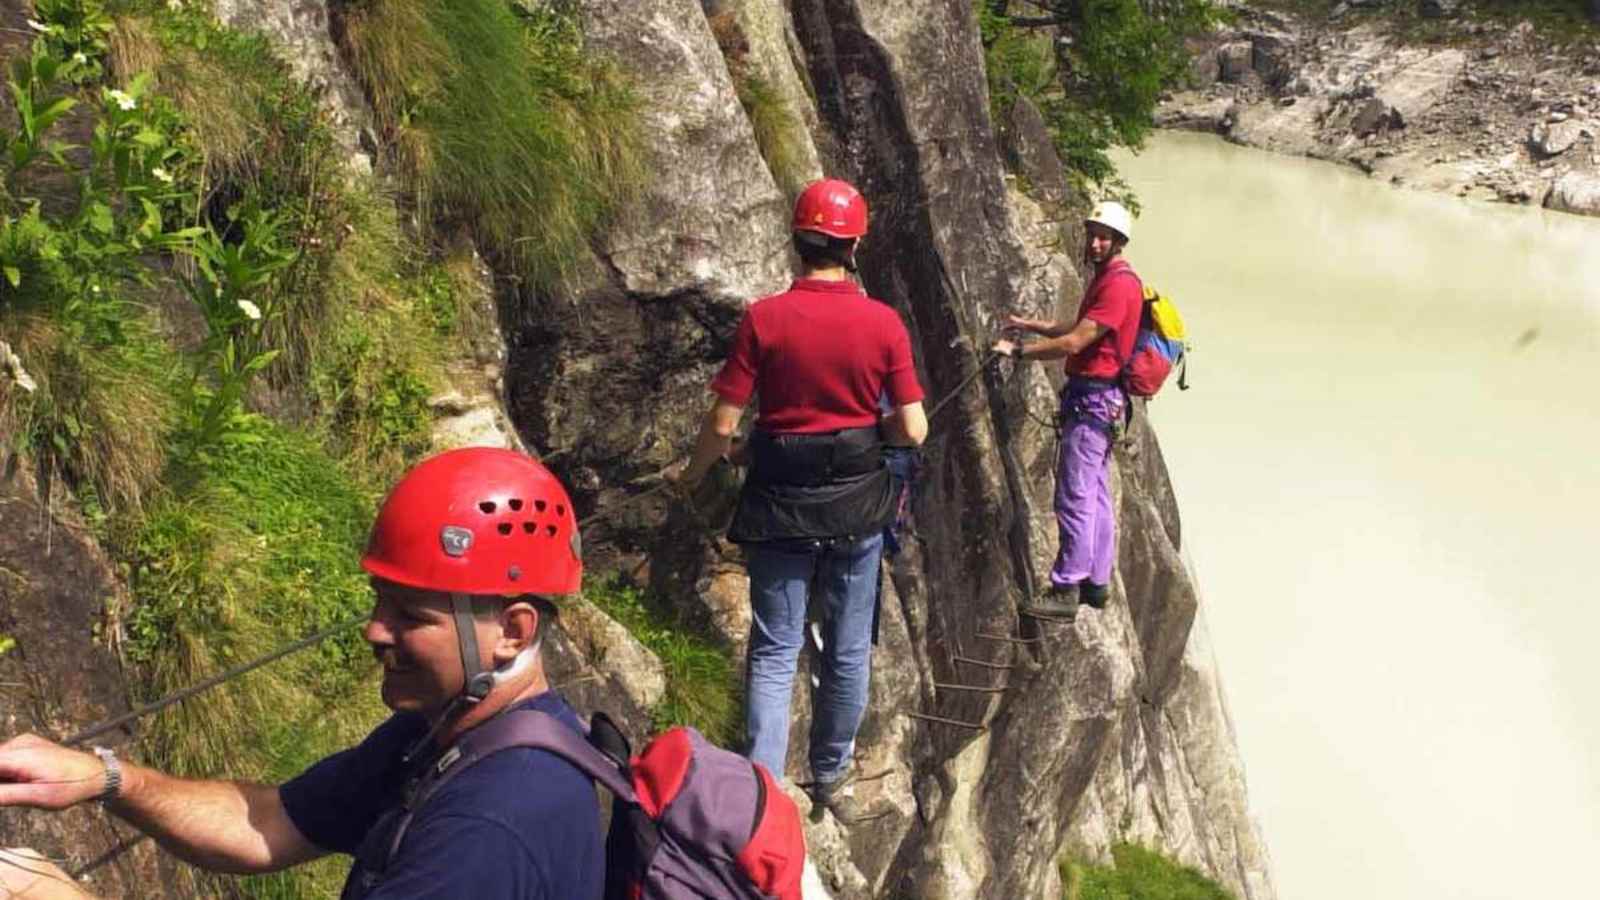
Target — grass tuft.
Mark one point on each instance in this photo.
(501, 117)
(101, 411)
(248, 554)
(1137, 874)
(779, 133)
(702, 689)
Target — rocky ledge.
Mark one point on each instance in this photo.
(1492, 110)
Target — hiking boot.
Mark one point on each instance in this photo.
(831, 796)
(1094, 595)
(1058, 601)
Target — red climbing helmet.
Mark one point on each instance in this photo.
(833, 207)
(480, 520)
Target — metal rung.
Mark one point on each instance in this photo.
(925, 716)
(965, 687)
(979, 662)
(1011, 640)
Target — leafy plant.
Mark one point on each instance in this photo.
(77, 31)
(70, 265)
(228, 275)
(1095, 69)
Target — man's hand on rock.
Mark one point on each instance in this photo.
(44, 775)
(676, 477)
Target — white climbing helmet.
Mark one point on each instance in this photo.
(1114, 216)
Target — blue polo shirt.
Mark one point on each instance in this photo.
(520, 824)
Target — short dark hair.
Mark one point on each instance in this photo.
(820, 251)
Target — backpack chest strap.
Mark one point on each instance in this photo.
(516, 728)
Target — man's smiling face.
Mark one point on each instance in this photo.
(413, 635)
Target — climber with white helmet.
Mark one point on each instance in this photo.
(466, 556)
(1096, 344)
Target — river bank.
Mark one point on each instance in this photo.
(1480, 108)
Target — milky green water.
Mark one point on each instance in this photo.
(1389, 473)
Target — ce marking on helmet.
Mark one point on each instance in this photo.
(455, 540)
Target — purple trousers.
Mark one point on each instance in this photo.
(1084, 518)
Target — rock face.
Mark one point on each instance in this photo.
(57, 591)
(1576, 192)
(1492, 114)
(993, 744)
(1128, 698)
(301, 29)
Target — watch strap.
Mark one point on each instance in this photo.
(113, 785)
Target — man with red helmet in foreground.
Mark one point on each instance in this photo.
(819, 356)
(465, 556)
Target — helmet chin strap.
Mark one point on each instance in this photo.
(478, 682)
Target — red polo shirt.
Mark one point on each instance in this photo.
(1115, 299)
(819, 355)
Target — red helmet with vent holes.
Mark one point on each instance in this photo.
(832, 207)
(480, 520)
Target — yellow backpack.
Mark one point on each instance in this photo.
(1159, 347)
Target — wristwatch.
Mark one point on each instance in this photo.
(1016, 353)
(113, 774)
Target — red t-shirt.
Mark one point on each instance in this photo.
(819, 354)
(1115, 299)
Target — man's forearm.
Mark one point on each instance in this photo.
(1070, 344)
(1045, 327)
(224, 826)
(708, 448)
(715, 440)
(1053, 348)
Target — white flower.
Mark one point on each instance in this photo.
(122, 99)
(11, 367)
(79, 58)
(251, 310)
(40, 27)
(175, 5)
(162, 174)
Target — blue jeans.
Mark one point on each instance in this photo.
(845, 574)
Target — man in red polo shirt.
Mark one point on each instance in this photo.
(1096, 345)
(819, 356)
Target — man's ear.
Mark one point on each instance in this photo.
(519, 627)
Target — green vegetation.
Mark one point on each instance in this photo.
(1137, 874)
(502, 121)
(229, 341)
(778, 130)
(1094, 68)
(224, 339)
(701, 688)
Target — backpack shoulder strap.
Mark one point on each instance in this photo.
(517, 728)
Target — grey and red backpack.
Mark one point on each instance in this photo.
(688, 818)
